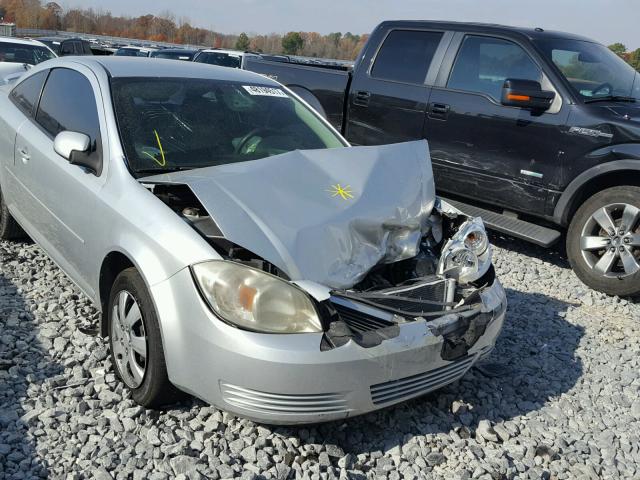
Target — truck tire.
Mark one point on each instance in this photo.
(9, 228)
(603, 241)
(137, 354)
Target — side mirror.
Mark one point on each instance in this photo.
(526, 94)
(75, 147)
(66, 143)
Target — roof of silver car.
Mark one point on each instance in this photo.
(158, 67)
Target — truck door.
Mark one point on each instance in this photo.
(389, 91)
(495, 154)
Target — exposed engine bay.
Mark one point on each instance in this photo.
(182, 200)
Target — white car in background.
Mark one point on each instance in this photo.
(223, 58)
(133, 51)
(19, 55)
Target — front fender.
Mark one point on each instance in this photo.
(563, 207)
(135, 223)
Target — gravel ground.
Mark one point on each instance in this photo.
(564, 403)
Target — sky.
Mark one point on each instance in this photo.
(607, 21)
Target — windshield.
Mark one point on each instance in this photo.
(22, 53)
(592, 69)
(178, 123)
(131, 52)
(55, 46)
(173, 55)
(220, 59)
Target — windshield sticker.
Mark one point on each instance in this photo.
(265, 91)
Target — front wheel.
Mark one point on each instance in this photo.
(603, 241)
(136, 345)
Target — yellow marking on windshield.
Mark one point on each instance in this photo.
(164, 161)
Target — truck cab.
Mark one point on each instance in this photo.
(65, 46)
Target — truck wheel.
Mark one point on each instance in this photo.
(9, 228)
(136, 345)
(603, 241)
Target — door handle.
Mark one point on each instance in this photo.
(362, 98)
(24, 154)
(439, 110)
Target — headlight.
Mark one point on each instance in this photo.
(255, 300)
(467, 255)
(476, 240)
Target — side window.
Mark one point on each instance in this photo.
(25, 95)
(483, 63)
(405, 56)
(59, 111)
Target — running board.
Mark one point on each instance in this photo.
(515, 227)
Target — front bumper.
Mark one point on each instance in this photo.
(287, 379)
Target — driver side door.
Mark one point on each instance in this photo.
(482, 149)
(60, 196)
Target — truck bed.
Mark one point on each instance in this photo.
(325, 82)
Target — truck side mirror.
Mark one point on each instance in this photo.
(526, 94)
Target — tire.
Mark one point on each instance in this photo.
(128, 340)
(603, 250)
(9, 228)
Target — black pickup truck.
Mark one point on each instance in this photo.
(535, 131)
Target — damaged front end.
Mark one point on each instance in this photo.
(300, 253)
(450, 285)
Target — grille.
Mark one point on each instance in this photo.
(283, 404)
(433, 292)
(404, 388)
(360, 321)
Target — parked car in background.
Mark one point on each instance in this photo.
(238, 248)
(64, 46)
(223, 58)
(537, 132)
(19, 55)
(102, 49)
(175, 54)
(133, 51)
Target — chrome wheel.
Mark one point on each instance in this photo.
(128, 339)
(610, 240)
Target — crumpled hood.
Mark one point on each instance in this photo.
(327, 216)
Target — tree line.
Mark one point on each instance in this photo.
(631, 57)
(166, 27)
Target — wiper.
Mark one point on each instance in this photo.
(611, 98)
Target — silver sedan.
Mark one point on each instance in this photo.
(238, 248)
